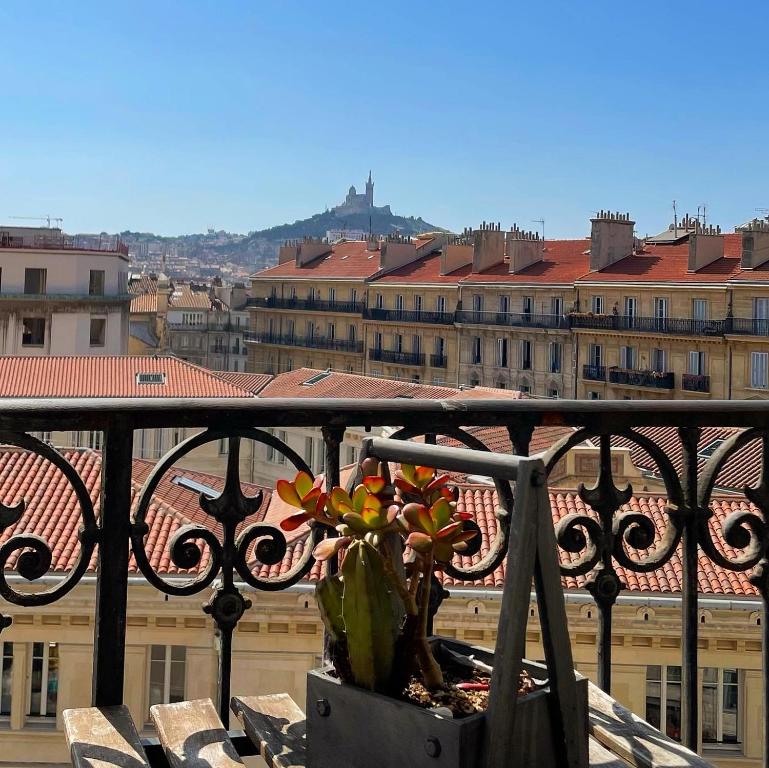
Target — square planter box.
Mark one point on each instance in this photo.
(353, 728)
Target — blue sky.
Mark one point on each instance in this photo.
(175, 116)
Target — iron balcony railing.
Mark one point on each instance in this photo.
(394, 356)
(748, 326)
(305, 305)
(439, 361)
(594, 544)
(312, 342)
(594, 372)
(208, 327)
(635, 378)
(673, 325)
(695, 382)
(512, 319)
(409, 316)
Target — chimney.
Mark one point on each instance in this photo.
(288, 251)
(489, 247)
(611, 239)
(706, 245)
(395, 251)
(372, 243)
(755, 243)
(458, 252)
(523, 249)
(310, 249)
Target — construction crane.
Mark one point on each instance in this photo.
(47, 219)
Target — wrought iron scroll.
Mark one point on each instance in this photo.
(230, 553)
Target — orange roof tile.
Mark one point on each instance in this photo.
(144, 302)
(425, 270)
(349, 259)
(253, 382)
(91, 376)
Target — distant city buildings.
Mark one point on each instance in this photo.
(59, 296)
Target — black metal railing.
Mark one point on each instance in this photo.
(594, 372)
(409, 316)
(635, 378)
(305, 305)
(695, 382)
(673, 325)
(439, 361)
(596, 543)
(513, 319)
(748, 326)
(311, 342)
(394, 356)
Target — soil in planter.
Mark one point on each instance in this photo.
(464, 693)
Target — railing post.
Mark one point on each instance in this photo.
(112, 567)
(690, 437)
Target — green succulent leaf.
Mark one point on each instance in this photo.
(328, 594)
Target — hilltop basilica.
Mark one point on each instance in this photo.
(355, 203)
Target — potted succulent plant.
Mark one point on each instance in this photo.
(392, 695)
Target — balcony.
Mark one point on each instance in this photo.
(311, 342)
(394, 356)
(512, 319)
(594, 372)
(306, 305)
(668, 325)
(601, 553)
(747, 326)
(409, 316)
(634, 378)
(694, 382)
(439, 361)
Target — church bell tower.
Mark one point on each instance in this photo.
(370, 191)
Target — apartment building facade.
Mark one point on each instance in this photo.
(683, 314)
(57, 298)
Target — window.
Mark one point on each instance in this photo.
(759, 370)
(95, 440)
(527, 362)
(660, 308)
(399, 303)
(440, 304)
(700, 310)
(331, 331)
(596, 305)
(290, 329)
(308, 451)
(553, 393)
(631, 304)
(440, 346)
(44, 680)
(502, 353)
(697, 363)
(418, 303)
(98, 331)
(379, 301)
(627, 357)
(311, 293)
(320, 456)
(353, 296)
(177, 435)
(96, 282)
(591, 395)
(663, 699)
(416, 344)
(720, 706)
(528, 305)
(504, 304)
(5, 697)
(331, 295)
(475, 355)
(477, 302)
(352, 454)
(274, 456)
(556, 306)
(167, 673)
(595, 355)
(158, 443)
(556, 356)
(398, 342)
(525, 389)
(351, 331)
(34, 280)
(310, 329)
(761, 309)
(33, 332)
(658, 360)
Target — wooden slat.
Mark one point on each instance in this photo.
(276, 726)
(102, 737)
(193, 736)
(600, 757)
(633, 739)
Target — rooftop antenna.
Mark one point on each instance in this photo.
(675, 218)
(47, 219)
(542, 222)
(764, 211)
(702, 211)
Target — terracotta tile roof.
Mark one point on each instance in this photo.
(253, 382)
(563, 262)
(53, 513)
(352, 385)
(670, 263)
(87, 376)
(497, 439)
(426, 270)
(143, 284)
(184, 297)
(144, 302)
(349, 259)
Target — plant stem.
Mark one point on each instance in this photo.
(431, 671)
(397, 583)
